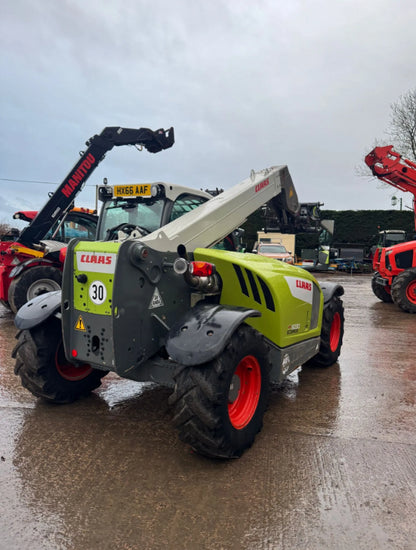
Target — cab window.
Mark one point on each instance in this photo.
(184, 204)
(73, 227)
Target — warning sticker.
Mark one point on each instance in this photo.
(79, 325)
(156, 300)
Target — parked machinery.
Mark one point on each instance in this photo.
(29, 262)
(395, 266)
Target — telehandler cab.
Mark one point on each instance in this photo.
(217, 326)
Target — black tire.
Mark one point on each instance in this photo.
(331, 334)
(33, 282)
(5, 304)
(206, 418)
(383, 293)
(403, 290)
(43, 369)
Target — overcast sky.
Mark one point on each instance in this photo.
(306, 83)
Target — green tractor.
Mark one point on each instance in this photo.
(216, 325)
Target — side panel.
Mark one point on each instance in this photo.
(289, 298)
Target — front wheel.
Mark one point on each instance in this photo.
(331, 334)
(44, 370)
(219, 406)
(33, 282)
(403, 290)
(5, 304)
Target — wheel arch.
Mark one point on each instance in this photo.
(32, 262)
(37, 310)
(329, 290)
(202, 333)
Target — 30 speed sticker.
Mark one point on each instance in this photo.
(97, 292)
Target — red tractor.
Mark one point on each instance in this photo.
(30, 261)
(394, 279)
(25, 271)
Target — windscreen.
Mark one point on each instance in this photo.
(142, 213)
(272, 249)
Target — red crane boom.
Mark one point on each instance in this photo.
(392, 168)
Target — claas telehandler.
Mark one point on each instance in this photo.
(179, 308)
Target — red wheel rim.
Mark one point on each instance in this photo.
(335, 332)
(244, 392)
(68, 370)
(411, 292)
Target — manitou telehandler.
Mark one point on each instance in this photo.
(217, 326)
(394, 278)
(29, 261)
(26, 272)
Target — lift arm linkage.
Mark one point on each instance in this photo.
(97, 147)
(392, 168)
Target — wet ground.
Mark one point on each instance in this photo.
(333, 468)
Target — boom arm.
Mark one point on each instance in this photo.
(215, 219)
(97, 147)
(390, 167)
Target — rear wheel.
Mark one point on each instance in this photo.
(383, 293)
(331, 334)
(403, 290)
(219, 406)
(33, 282)
(44, 370)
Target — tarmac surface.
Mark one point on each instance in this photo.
(333, 468)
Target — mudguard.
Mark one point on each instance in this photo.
(37, 310)
(28, 263)
(203, 332)
(331, 289)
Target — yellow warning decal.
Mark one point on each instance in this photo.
(80, 324)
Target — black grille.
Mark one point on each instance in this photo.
(254, 289)
(267, 294)
(241, 279)
(255, 282)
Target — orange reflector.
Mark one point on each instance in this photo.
(201, 269)
(62, 254)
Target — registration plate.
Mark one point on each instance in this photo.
(134, 190)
